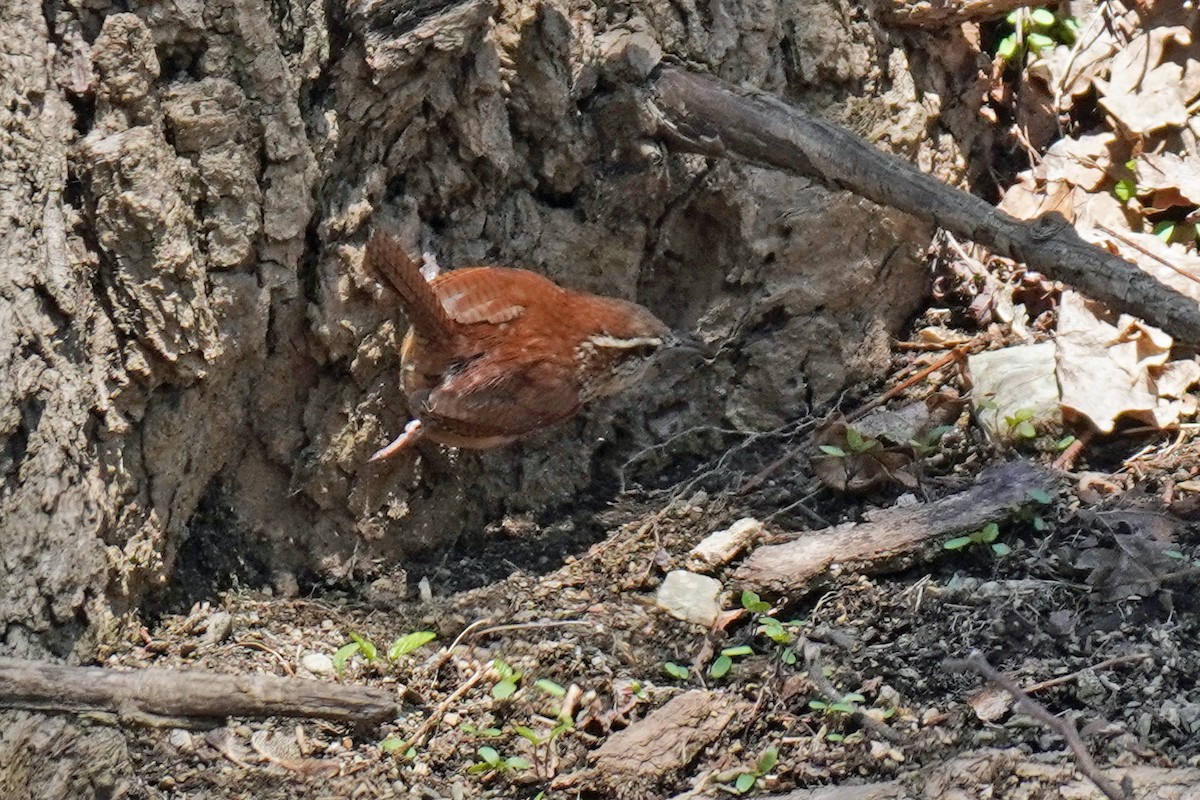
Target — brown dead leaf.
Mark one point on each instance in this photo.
(1144, 92)
(850, 461)
(1169, 175)
(1108, 370)
(1084, 162)
(1130, 569)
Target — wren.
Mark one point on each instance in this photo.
(494, 354)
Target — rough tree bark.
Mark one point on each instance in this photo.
(188, 341)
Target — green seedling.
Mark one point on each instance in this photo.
(723, 663)
(358, 645)
(490, 761)
(847, 705)
(487, 733)
(1126, 188)
(506, 687)
(1035, 31)
(766, 762)
(856, 444)
(392, 744)
(986, 535)
(676, 671)
(408, 643)
(753, 603)
(1021, 424)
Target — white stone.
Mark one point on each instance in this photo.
(318, 664)
(690, 597)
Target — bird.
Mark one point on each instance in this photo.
(495, 354)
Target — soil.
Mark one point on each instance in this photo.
(572, 602)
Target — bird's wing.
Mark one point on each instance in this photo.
(493, 295)
(505, 396)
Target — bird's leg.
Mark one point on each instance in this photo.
(429, 264)
(412, 432)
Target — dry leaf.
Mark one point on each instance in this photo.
(1107, 370)
(1145, 93)
(1159, 172)
(1015, 386)
(1082, 162)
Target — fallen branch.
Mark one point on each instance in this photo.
(167, 697)
(890, 537)
(975, 662)
(700, 114)
(944, 13)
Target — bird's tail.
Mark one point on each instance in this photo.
(388, 262)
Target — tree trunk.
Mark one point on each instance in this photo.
(189, 345)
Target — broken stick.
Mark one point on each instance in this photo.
(168, 696)
(891, 537)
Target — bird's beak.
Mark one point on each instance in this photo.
(688, 341)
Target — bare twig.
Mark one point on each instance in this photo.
(434, 718)
(975, 662)
(1105, 664)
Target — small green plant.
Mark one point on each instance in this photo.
(847, 705)
(1030, 512)
(1021, 424)
(392, 744)
(856, 444)
(358, 645)
(362, 646)
(927, 443)
(723, 663)
(408, 643)
(506, 687)
(745, 781)
(986, 535)
(676, 671)
(1064, 442)
(490, 761)
(753, 603)
(1126, 188)
(1035, 31)
(549, 687)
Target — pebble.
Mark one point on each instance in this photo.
(181, 740)
(318, 664)
(690, 597)
(217, 628)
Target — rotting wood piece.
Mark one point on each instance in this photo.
(891, 537)
(147, 695)
(670, 737)
(701, 114)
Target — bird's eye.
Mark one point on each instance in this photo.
(645, 350)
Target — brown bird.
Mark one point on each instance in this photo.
(495, 354)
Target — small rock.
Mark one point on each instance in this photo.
(181, 740)
(723, 546)
(285, 583)
(318, 664)
(217, 628)
(690, 597)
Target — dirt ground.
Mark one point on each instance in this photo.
(572, 602)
